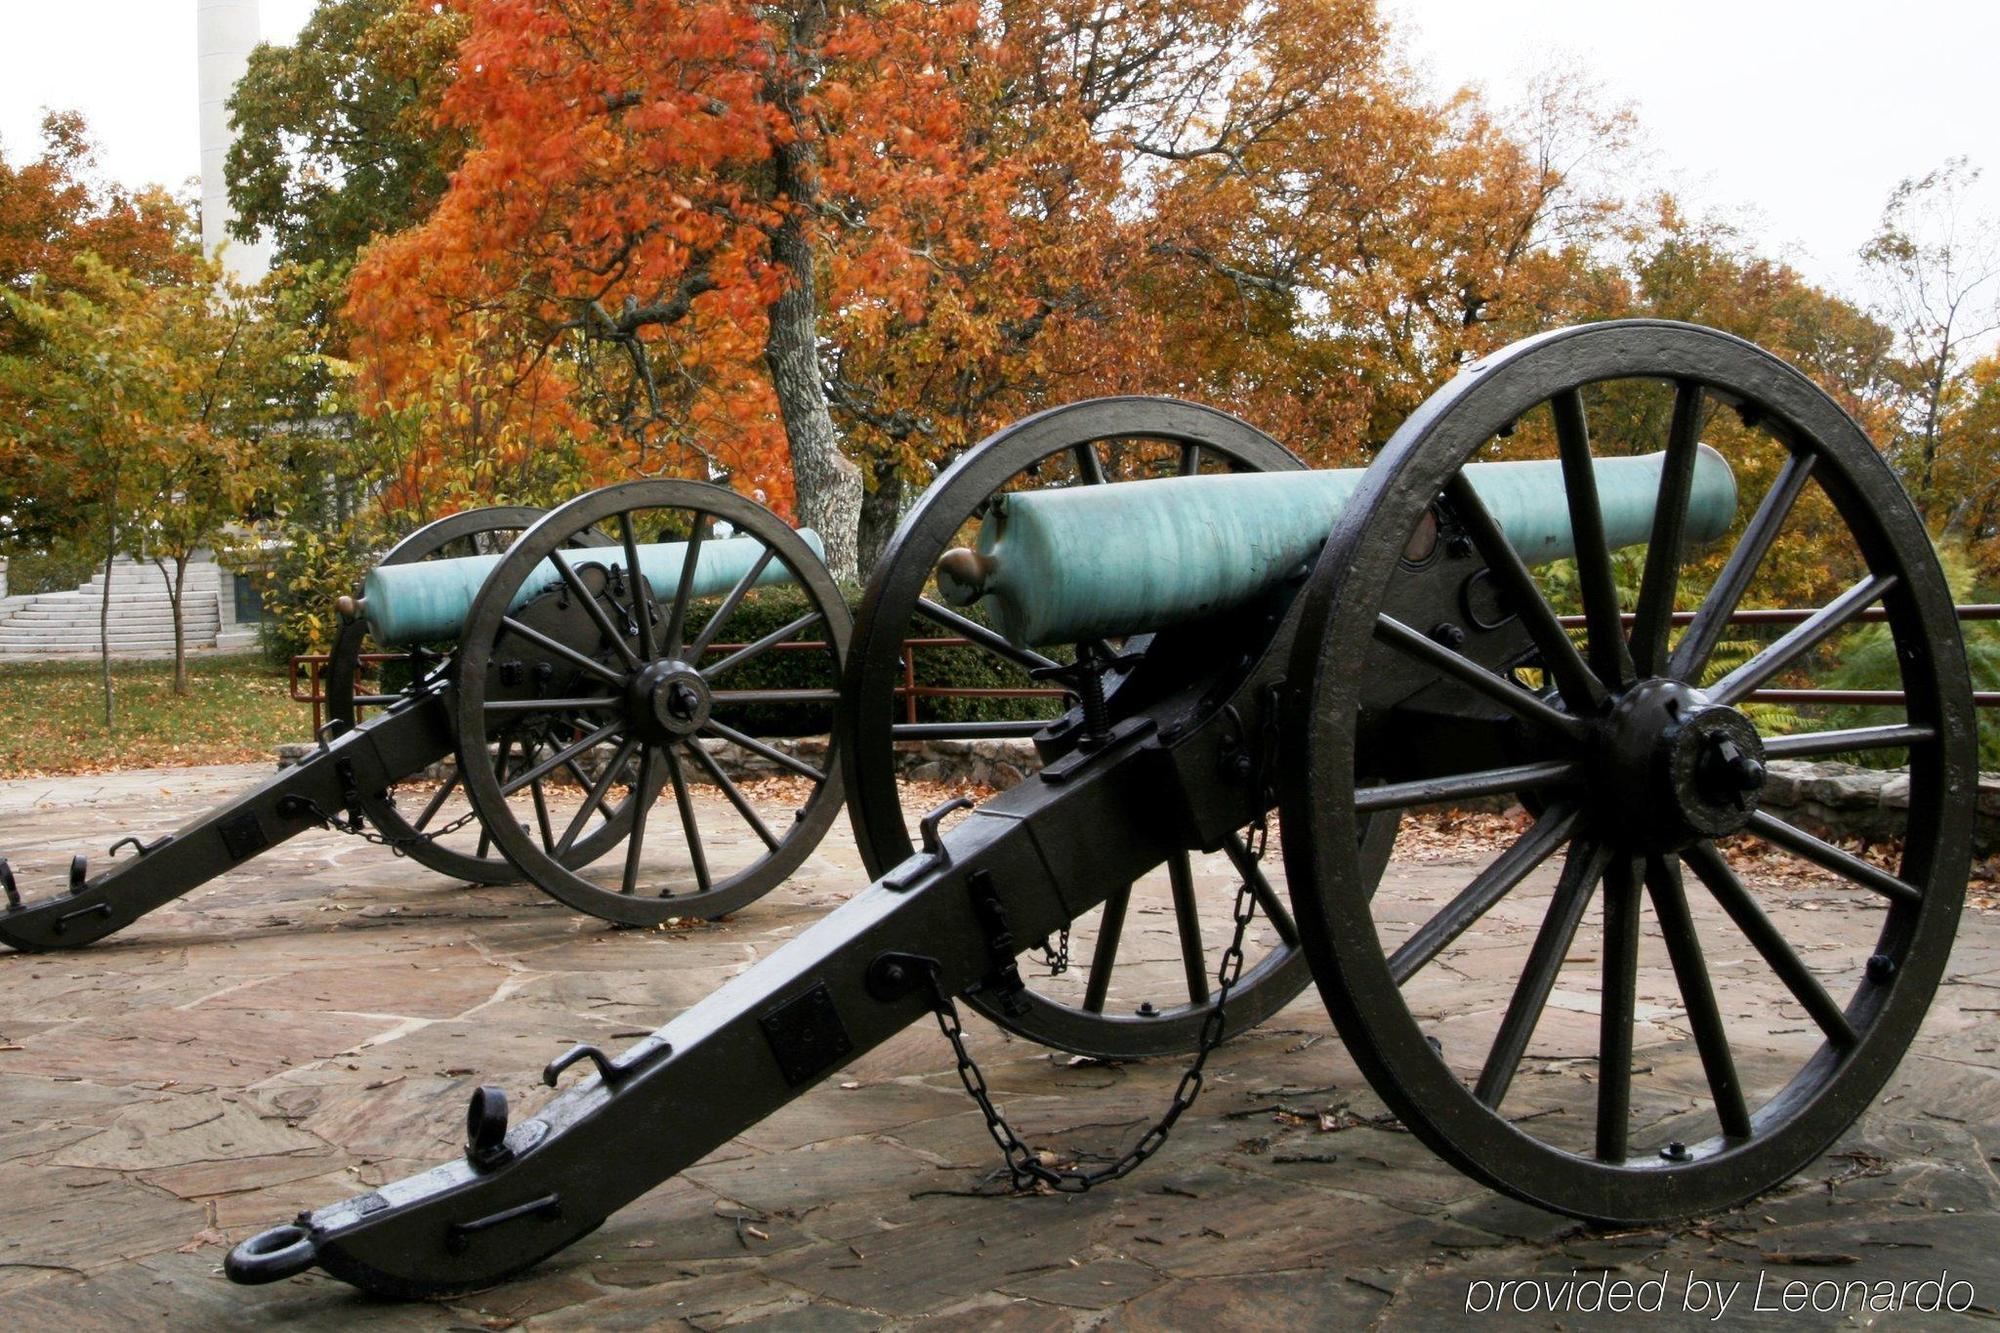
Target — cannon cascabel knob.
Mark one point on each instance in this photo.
(962, 575)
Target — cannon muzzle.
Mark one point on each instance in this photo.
(428, 600)
(1090, 562)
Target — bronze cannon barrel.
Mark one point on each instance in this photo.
(429, 600)
(1090, 562)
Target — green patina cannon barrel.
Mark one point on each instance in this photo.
(428, 600)
(1089, 562)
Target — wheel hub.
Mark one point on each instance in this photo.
(667, 701)
(1679, 768)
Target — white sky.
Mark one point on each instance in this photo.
(1793, 118)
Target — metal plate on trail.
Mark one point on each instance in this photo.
(806, 1035)
(243, 836)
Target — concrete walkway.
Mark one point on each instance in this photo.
(311, 1026)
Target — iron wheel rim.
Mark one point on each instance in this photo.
(875, 808)
(1831, 1088)
(489, 618)
(344, 702)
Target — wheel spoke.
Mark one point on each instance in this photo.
(755, 746)
(1521, 595)
(684, 591)
(1478, 898)
(728, 608)
(761, 646)
(1110, 930)
(1829, 857)
(1190, 460)
(967, 628)
(561, 757)
(642, 798)
(594, 798)
(598, 615)
(542, 816)
(967, 731)
(776, 696)
(1711, 1038)
(1187, 917)
(436, 802)
(1464, 786)
(1088, 465)
(1710, 867)
(1608, 654)
(1661, 580)
(1581, 870)
(500, 768)
(642, 599)
(1806, 744)
(565, 652)
(1711, 621)
(689, 826)
(735, 795)
(1616, 1008)
(595, 703)
(1800, 639)
(1260, 889)
(1500, 689)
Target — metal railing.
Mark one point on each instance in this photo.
(308, 674)
(308, 678)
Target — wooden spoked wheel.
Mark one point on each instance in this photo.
(1658, 998)
(1089, 1006)
(652, 692)
(425, 816)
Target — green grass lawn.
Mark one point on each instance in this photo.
(237, 709)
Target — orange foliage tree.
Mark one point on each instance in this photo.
(628, 255)
(758, 241)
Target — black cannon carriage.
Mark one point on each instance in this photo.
(544, 702)
(1279, 693)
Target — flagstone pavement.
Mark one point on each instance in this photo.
(311, 1025)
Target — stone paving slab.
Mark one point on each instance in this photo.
(310, 1027)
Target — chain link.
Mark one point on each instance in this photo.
(1025, 1169)
(355, 827)
(1056, 956)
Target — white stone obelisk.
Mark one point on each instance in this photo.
(225, 32)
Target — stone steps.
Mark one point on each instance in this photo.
(138, 619)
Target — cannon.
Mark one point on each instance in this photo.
(572, 697)
(1242, 692)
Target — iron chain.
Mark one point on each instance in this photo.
(1056, 956)
(1024, 1168)
(355, 827)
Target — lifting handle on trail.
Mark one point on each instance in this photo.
(271, 1256)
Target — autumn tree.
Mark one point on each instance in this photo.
(1939, 269)
(149, 403)
(337, 136)
(54, 211)
(627, 258)
(756, 241)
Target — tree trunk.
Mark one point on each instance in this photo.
(828, 485)
(176, 584)
(104, 618)
(880, 510)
